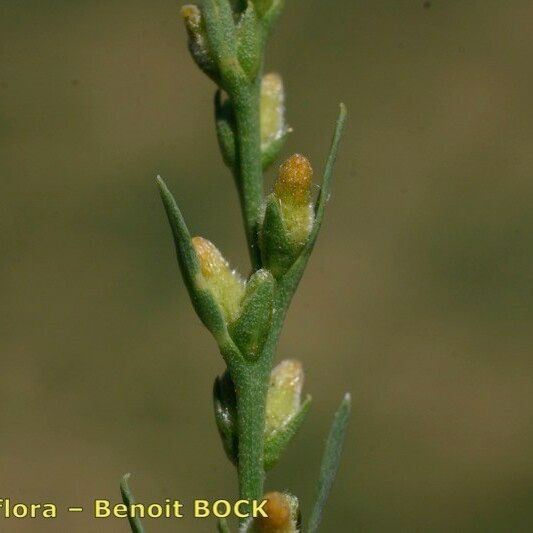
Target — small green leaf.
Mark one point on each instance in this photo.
(250, 41)
(250, 330)
(277, 442)
(225, 404)
(330, 461)
(128, 499)
(325, 189)
(221, 36)
(225, 127)
(197, 42)
(278, 253)
(203, 301)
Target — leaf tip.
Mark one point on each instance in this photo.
(343, 110)
(160, 182)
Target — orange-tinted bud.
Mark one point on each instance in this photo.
(280, 509)
(225, 284)
(294, 181)
(212, 262)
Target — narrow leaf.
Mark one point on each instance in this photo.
(250, 42)
(203, 301)
(325, 189)
(221, 35)
(128, 499)
(330, 461)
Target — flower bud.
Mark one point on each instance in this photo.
(294, 181)
(285, 412)
(282, 514)
(288, 217)
(293, 189)
(273, 127)
(225, 284)
(284, 394)
(198, 47)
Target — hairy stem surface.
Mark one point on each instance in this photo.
(249, 172)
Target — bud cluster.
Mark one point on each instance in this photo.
(226, 38)
(258, 410)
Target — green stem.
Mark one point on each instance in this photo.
(249, 172)
(251, 379)
(251, 383)
(251, 388)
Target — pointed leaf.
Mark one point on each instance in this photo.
(197, 42)
(203, 301)
(250, 41)
(128, 499)
(330, 461)
(221, 36)
(325, 189)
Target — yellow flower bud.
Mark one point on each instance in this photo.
(294, 181)
(281, 510)
(284, 394)
(225, 284)
(293, 189)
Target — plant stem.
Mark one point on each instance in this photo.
(251, 389)
(251, 382)
(249, 172)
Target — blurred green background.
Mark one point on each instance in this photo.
(418, 298)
